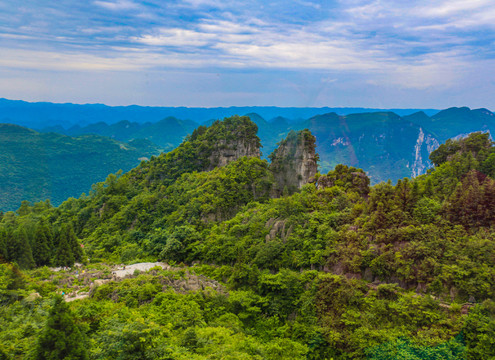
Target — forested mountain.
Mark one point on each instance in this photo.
(334, 268)
(384, 144)
(38, 166)
(454, 122)
(167, 133)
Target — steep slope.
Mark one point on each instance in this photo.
(206, 148)
(270, 132)
(38, 166)
(383, 144)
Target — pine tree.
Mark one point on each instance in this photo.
(64, 256)
(489, 202)
(3, 245)
(10, 244)
(42, 245)
(428, 188)
(24, 254)
(61, 338)
(403, 194)
(75, 246)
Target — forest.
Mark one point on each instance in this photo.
(56, 163)
(337, 269)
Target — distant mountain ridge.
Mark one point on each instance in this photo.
(38, 115)
(455, 121)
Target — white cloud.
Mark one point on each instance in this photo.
(451, 7)
(195, 4)
(45, 60)
(118, 5)
(175, 37)
(16, 36)
(309, 4)
(224, 26)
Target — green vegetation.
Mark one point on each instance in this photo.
(61, 338)
(38, 166)
(166, 133)
(336, 270)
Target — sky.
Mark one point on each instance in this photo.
(206, 53)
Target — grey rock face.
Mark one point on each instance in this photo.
(294, 162)
(228, 151)
(424, 145)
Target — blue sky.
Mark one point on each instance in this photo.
(382, 54)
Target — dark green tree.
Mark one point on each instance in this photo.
(24, 209)
(75, 246)
(488, 166)
(23, 254)
(403, 194)
(64, 255)
(61, 338)
(3, 244)
(42, 245)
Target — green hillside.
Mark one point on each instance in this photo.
(38, 166)
(339, 269)
(166, 133)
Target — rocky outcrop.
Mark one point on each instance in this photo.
(278, 228)
(294, 162)
(228, 151)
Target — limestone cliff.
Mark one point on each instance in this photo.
(226, 151)
(423, 148)
(294, 162)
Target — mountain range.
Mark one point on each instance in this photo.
(41, 114)
(384, 144)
